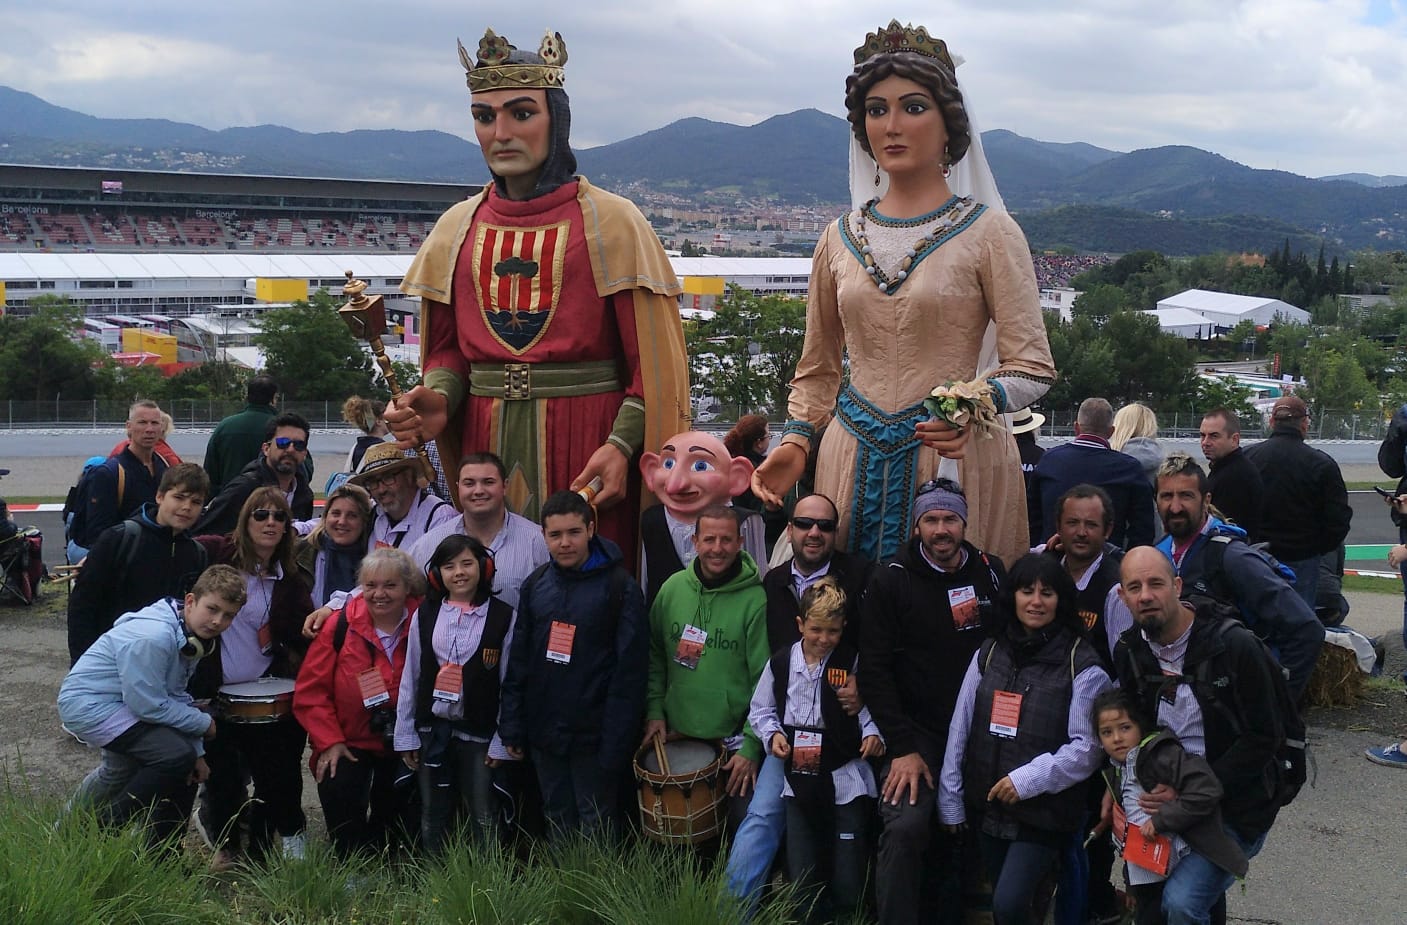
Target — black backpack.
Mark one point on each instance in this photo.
(76, 503)
(1292, 749)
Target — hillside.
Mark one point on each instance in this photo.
(798, 158)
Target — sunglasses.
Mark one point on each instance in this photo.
(826, 524)
(939, 485)
(284, 443)
(263, 514)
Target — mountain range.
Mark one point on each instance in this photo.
(1176, 199)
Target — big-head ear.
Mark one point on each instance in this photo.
(649, 465)
(739, 475)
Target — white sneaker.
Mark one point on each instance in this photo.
(295, 847)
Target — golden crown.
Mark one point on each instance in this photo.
(493, 72)
(903, 38)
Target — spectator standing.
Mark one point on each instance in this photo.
(279, 464)
(365, 415)
(1306, 512)
(1235, 484)
(162, 448)
(127, 480)
(1025, 427)
(404, 511)
(237, 439)
(1090, 459)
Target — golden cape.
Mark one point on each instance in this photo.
(625, 254)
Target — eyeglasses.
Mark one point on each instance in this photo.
(825, 524)
(263, 514)
(939, 485)
(284, 443)
(376, 481)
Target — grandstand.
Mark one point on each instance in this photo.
(80, 209)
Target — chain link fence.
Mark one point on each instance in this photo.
(19, 415)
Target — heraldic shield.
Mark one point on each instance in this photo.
(518, 274)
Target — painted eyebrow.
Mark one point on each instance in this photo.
(515, 101)
(703, 449)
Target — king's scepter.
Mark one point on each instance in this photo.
(365, 317)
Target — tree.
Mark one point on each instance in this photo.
(309, 350)
(745, 355)
(1224, 392)
(1337, 382)
(44, 357)
(215, 380)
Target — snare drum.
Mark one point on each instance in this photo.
(263, 700)
(682, 803)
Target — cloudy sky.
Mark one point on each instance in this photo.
(1311, 86)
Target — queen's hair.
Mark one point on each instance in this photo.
(929, 73)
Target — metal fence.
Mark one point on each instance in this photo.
(19, 415)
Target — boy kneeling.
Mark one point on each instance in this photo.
(127, 695)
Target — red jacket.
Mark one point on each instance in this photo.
(327, 700)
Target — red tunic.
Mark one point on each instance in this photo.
(524, 292)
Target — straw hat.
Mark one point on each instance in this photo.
(1025, 420)
(384, 459)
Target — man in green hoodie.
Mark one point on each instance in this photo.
(708, 644)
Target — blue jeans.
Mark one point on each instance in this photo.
(460, 783)
(756, 842)
(160, 760)
(1195, 884)
(1016, 869)
(1306, 578)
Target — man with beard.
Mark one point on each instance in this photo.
(1211, 557)
(279, 464)
(1233, 720)
(404, 511)
(921, 622)
(811, 531)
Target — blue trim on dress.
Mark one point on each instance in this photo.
(893, 286)
(999, 395)
(886, 457)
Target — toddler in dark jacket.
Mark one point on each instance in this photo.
(1154, 840)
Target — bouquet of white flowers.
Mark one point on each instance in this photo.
(964, 403)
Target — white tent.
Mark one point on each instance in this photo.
(1227, 310)
(1184, 323)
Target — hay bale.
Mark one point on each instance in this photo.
(1336, 681)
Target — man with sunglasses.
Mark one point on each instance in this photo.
(404, 511)
(922, 620)
(280, 464)
(811, 531)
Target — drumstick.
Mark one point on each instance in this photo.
(660, 755)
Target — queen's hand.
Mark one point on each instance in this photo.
(939, 435)
(778, 474)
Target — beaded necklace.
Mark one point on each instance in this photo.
(943, 219)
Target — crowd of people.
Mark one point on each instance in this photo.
(928, 680)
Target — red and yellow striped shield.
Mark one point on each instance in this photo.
(518, 279)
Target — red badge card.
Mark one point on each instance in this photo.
(449, 683)
(1006, 714)
(374, 692)
(559, 642)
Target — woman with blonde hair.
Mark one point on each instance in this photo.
(364, 414)
(1136, 433)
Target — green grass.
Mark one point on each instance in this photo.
(77, 873)
(1373, 585)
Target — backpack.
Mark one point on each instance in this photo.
(75, 512)
(1212, 582)
(1291, 749)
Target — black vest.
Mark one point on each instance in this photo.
(480, 693)
(1090, 602)
(658, 547)
(1046, 686)
(840, 741)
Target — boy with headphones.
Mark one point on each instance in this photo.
(127, 695)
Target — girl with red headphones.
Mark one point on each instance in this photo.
(447, 713)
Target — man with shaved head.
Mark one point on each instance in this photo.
(1206, 678)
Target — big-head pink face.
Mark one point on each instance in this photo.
(692, 471)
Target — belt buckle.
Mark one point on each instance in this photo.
(517, 381)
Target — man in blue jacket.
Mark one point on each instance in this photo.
(574, 694)
(1211, 557)
(1089, 459)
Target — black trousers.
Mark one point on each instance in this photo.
(364, 807)
(272, 753)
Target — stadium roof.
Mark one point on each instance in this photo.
(22, 266)
(741, 266)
